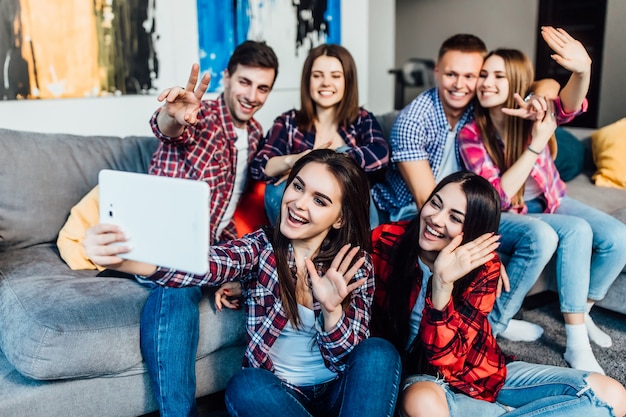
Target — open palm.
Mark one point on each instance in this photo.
(454, 261)
(331, 289)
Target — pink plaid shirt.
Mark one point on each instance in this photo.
(206, 152)
(544, 172)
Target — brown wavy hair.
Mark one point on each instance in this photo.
(348, 107)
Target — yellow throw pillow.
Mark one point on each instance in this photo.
(608, 146)
(70, 241)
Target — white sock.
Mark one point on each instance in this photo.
(522, 331)
(578, 353)
(596, 335)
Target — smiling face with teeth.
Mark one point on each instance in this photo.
(493, 85)
(245, 91)
(442, 218)
(456, 73)
(327, 84)
(311, 205)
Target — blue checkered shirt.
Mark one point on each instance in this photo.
(419, 133)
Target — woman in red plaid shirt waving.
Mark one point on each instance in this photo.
(436, 280)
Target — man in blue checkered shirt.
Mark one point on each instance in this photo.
(424, 150)
(423, 137)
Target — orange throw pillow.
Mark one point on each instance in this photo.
(608, 146)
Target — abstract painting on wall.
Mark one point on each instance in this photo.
(76, 48)
(290, 27)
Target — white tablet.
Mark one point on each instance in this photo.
(166, 219)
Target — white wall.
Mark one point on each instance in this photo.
(613, 80)
(423, 24)
(381, 46)
(177, 49)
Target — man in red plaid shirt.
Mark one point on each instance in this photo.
(212, 141)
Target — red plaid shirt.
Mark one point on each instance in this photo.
(544, 172)
(251, 260)
(206, 152)
(458, 340)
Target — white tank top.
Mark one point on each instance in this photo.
(240, 178)
(296, 355)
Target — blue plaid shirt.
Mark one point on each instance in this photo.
(419, 133)
(251, 260)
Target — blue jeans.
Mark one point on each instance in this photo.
(367, 387)
(529, 244)
(590, 255)
(532, 390)
(170, 323)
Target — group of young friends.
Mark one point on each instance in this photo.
(375, 290)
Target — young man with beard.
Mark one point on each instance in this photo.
(212, 141)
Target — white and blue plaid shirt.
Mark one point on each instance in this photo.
(419, 133)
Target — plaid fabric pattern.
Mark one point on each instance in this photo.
(251, 260)
(419, 133)
(206, 152)
(544, 172)
(458, 340)
(363, 137)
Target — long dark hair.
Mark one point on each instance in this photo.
(482, 216)
(348, 107)
(355, 226)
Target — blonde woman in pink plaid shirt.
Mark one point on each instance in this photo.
(517, 157)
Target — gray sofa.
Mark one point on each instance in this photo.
(69, 340)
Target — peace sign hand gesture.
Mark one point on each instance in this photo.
(183, 104)
(331, 289)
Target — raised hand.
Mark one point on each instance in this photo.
(333, 287)
(454, 261)
(569, 53)
(183, 104)
(543, 129)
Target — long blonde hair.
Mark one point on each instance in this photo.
(517, 132)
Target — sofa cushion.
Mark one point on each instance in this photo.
(609, 147)
(55, 172)
(570, 155)
(68, 324)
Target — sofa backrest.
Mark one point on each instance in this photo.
(43, 175)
